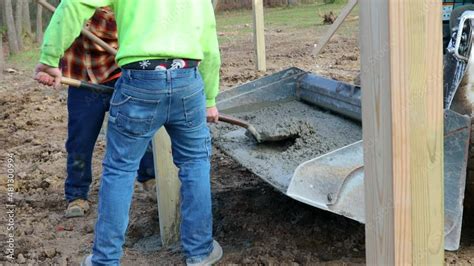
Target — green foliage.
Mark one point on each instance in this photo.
(3, 30)
(26, 59)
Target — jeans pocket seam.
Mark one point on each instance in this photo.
(121, 102)
(189, 113)
(123, 120)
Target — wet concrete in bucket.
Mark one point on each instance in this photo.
(309, 131)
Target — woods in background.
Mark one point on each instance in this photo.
(16, 30)
(17, 18)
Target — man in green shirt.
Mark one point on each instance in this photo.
(170, 63)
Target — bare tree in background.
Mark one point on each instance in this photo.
(2, 59)
(3, 20)
(27, 18)
(39, 24)
(12, 37)
(19, 23)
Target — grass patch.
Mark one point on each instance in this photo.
(238, 24)
(27, 58)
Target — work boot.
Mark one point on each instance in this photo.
(214, 257)
(87, 261)
(77, 208)
(149, 187)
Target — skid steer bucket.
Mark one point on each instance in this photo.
(323, 167)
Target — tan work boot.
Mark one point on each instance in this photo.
(149, 187)
(77, 208)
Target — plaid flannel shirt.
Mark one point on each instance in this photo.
(87, 61)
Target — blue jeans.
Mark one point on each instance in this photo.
(144, 101)
(86, 112)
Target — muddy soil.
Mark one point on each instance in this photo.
(254, 223)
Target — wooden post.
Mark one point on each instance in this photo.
(168, 186)
(259, 34)
(334, 27)
(401, 60)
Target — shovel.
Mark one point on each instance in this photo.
(241, 123)
(260, 136)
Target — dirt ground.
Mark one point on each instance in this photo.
(255, 224)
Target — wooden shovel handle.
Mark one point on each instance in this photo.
(98, 88)
(85, 32)
(233, 121)
(71, 82)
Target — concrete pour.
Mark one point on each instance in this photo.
(311, 132)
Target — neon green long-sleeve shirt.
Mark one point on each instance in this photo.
(147, 29)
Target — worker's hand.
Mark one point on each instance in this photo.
(212, 114)
(47, 75)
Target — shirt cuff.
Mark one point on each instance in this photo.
(210, 102)
(49, 60)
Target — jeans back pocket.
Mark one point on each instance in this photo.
(194, 106)
(133, 111)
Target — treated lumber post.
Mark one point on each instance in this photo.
(334, 27)
(167, 189)
(259, 34)
(401, 60)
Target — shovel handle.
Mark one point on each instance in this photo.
(233, 121)
(86, 85)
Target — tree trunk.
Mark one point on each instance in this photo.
(12, 38)
(19, 23)
(3, 20)
(2, 59)
(27, 18)
(39, 23)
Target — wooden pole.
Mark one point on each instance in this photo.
(168, 186)
(401, 60)
(259, 34)
(334, 27)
